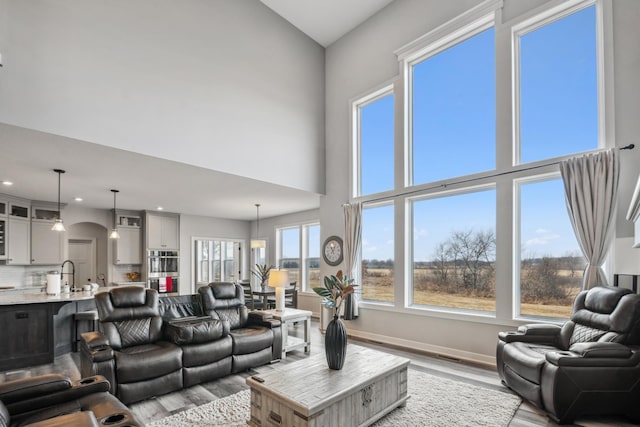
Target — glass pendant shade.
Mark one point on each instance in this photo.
(114, 232)
(58, 225)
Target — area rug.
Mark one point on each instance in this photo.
(434, 401)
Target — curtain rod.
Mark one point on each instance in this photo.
(463, 181)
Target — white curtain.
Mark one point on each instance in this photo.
(591, 192)
(352, 245)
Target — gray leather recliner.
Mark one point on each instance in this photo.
(588, 366)
(53, 400)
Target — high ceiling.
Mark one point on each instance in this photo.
(326, 21)
(28, 157)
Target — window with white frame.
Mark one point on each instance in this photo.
(299, 253)
(454, 244)
(217, 260)
(558, 113)
(374, 118)
(377, 267)
(472, 177)
(556, 71)
(550, 261)
(453, 113)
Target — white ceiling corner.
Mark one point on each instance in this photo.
(325, 21)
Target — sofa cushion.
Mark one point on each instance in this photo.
(193, 330)
(205, 353)
(147, 361)
(251, 339)
(526, 359)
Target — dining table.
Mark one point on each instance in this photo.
(264, 292)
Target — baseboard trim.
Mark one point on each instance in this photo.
(428, 349)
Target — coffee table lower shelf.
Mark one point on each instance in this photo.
(309, 394)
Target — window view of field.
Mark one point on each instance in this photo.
(461, 275)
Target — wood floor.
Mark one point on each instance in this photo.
(162, 406)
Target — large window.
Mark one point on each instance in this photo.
(377, 253)
(453, 112)
(217, 261)
(454, 251)
(558, 82)
(550, 261)
(478, 222)
(299, 253)
(374, 117)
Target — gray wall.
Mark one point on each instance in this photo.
(363, 60)
(226, 85)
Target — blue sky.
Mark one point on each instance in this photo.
(454, 135)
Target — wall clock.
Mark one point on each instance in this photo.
(332, 250)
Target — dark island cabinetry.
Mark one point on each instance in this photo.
(33, 333)
(26, 334)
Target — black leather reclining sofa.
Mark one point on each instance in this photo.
(151, 345)
(53, 400)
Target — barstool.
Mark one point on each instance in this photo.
(84, 316)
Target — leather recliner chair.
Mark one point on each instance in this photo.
(130, 352)
(53, 400)
(256, 337)
(588, 366)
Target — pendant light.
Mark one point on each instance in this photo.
(114, 233)
(258, 243)
(58, 225)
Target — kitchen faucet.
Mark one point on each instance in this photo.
(73, 273)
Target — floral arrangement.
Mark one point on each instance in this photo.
(335, 290)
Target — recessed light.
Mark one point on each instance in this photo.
(7, 183)
(160, 208)
(78, 199)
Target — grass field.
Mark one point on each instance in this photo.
(379, 287)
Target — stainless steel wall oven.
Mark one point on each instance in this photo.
(163, 270)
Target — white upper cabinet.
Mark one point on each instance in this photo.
(163, 231)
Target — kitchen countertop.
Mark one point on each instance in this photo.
(35, 296)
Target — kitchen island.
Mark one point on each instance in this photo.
(36, 327)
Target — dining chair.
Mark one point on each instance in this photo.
(291, 296)
(250, 301)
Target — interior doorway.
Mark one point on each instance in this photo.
(82, 252)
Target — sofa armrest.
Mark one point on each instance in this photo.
(27, 388)
(29, 394)
(94, 340)
(78, 419)
(95, 346)
(265, 321)
(601, 349)
(602, 354)
(260, 315)
(533, 333)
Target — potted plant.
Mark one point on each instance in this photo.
(335, 290)
(262, 273)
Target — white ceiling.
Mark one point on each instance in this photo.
(326, 21)
(28, 157)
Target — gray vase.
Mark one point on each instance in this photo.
(335, 343)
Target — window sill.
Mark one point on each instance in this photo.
(488, 318)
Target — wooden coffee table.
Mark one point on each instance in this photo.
(308, 393)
